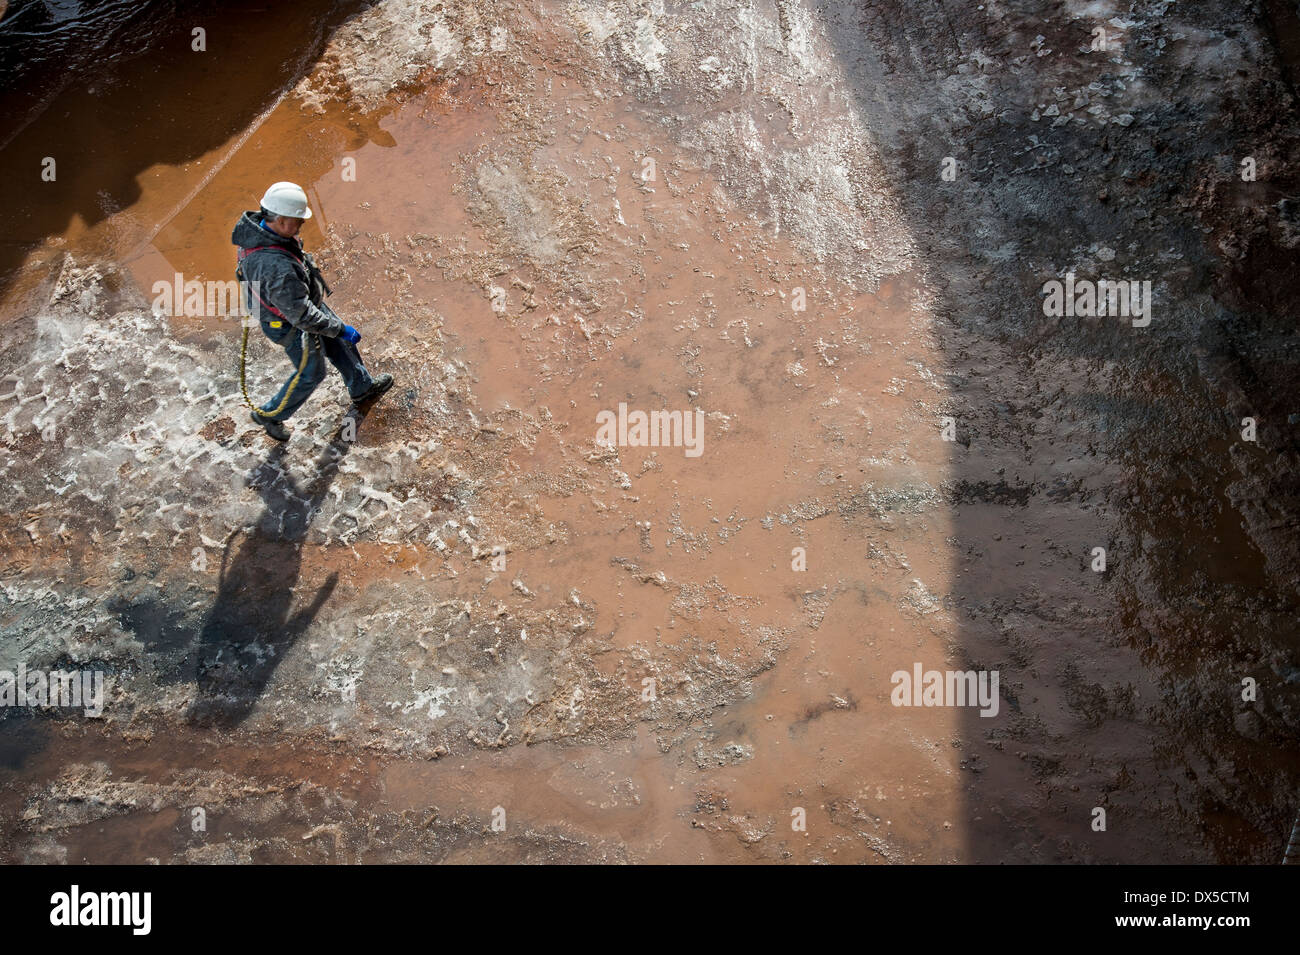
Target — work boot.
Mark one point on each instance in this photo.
(275, 429)
(381, 384)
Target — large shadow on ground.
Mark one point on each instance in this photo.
(258, 615)
(1121, 690)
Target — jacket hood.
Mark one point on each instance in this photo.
(248, 234)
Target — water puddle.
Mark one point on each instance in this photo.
(684, 652)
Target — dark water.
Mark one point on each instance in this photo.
(107, 90)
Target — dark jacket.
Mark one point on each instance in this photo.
(291, 283)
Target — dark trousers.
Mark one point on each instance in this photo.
(341, 354)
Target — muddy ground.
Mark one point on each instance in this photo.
(458, 627)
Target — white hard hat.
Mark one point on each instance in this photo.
(286, 199)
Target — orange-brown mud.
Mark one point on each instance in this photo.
(318, 644)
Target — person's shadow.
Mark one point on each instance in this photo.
(251, 625)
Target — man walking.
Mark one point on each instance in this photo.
(287, 294)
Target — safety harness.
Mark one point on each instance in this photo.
(240, 255)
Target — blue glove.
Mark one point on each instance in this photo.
(350, 335)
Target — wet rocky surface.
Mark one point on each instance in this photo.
(459, 608)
